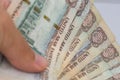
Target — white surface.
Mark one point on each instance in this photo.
(7, 72)
(111, 14)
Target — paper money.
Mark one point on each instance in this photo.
(41, 11)
(82, 60)
(109, 74)
(26, 29)
(22, 12)
(32, 15)
(81, 36)
(71, 35)
(14, 6)
(100, 63)
(75, 46)
(99, 40)
(30, 27)
(106, 60)
(62, 34)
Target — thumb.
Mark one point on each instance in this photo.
(15, 48)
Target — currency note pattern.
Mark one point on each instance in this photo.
(109, 74)
(72, 3)
(92, 41)
(79, 13)
(13, 7)
(109, 63)
(65, 47)
(57, 36)
(90, 19)
(89, 71)
(112, 51)
(82, 7)
(109, 54)
(101, 38)
(98, 37)
(62, 26)
(87, 20)
(28, 24)
(87, 24)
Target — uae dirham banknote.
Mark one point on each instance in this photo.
(71, 35)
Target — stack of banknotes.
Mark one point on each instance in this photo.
(71, 35)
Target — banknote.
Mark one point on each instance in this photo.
(75, 46)
(109, 74)
(100, 39)
(82, 60)
(100, 63)
(71, 34)
(24, 23)
(106, 60)
(38, 12)
(13, 7)
(81, 36)
(30, 16)
(63, 33)
(22, 10)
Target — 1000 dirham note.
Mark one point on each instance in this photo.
(100, 39)
(109, 58)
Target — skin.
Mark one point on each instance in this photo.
(14, 47)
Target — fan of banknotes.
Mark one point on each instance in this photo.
(71, 35)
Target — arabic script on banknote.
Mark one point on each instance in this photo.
(71, 35)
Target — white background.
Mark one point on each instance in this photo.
(110, 11)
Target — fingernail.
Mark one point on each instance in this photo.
(41, 62)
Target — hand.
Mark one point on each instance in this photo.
(14, 47)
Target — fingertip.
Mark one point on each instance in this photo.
(38, 64)
(41, 62)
